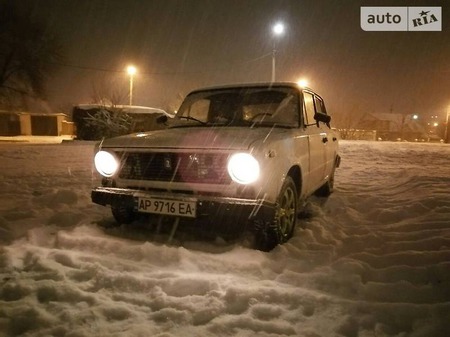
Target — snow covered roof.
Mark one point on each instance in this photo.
(31, 113)
(132, 109)
(251, 85)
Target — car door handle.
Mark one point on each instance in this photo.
(325, 139)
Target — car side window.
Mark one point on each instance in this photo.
(308, 106)
(320, 107)
(199, 109)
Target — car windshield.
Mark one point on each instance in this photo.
(250, 107)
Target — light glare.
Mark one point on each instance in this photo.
(131, 70)
(302, 83)
(278, 29)
(105, 163)
(243, 168)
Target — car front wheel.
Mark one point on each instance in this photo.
(282, 227)
(123, 215)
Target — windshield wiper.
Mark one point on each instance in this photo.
(189, 118)
(270, 125)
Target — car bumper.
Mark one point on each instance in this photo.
(212, 208)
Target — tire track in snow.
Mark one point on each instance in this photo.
(403, 246)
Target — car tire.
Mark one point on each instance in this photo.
(123, 215)
(282, 227)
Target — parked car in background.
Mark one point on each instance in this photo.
(235, 158)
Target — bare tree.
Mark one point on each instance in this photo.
(109, 122)
(28, 54)
(105, 92)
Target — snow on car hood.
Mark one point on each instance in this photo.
(196, 138)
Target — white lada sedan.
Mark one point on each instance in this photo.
(235, 158)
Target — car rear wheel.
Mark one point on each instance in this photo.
(282, 227)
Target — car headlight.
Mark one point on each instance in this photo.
(105, 163)
(243, 168)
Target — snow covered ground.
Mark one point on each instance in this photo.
(373, 260)
(36, 139)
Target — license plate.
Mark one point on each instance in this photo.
(167, 207)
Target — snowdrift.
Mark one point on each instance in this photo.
(372, 260)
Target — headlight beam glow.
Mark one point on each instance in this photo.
(243, 168)
(105, 163)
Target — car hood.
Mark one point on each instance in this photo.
(219, 138)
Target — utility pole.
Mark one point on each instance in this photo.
(277, 31)
(447, 133)
(131, 70)
(273, 64)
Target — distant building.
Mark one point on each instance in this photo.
(14, 123)
(394, 127)
(357, 134)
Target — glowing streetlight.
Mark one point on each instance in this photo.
(415, 117)
(131, 70)
(277, 30)
(302, 83)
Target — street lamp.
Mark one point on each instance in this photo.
(302, 83)
(131, 70)
(277, 30)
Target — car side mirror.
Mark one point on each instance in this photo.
(321, 117)
(162, 119)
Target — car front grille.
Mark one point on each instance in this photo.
(175, 167)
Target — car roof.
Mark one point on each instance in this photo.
(250, 85)
(255, 85)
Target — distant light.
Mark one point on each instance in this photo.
(415, 117)
(131, 70)
(435, 124)
(278, 29)
(302, 83)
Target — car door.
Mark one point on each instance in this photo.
(317, 142)
(329, 141)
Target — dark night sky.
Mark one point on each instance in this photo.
(179, 45)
